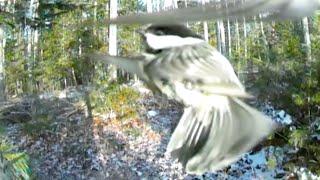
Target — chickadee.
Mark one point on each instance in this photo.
(229, 9)
(216, 127)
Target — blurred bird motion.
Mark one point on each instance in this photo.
(227, 9)
(216, 127)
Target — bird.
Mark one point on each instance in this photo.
(217, 127)
(267, 10)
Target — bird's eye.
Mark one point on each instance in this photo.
(159, 33)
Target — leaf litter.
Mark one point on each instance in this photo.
(103, 147)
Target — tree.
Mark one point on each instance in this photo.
(205, 26)
(149, 6)
(221, 37)
(2, 66)
(307, 41)
(113, 36)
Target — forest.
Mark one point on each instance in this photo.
(64, 115)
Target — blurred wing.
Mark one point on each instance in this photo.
(133, 65)
(200, 67)
(210, 138)
(229, 9)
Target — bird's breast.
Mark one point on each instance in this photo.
(196, 98)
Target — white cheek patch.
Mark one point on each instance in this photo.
(169, 41)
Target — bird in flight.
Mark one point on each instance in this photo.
(217, 127)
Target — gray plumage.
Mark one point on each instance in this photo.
(229, 9)
(216, 127)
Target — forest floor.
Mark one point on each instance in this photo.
(76, 146)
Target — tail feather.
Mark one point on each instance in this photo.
(210, 138)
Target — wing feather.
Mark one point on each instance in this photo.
(200, 65)
(229, 9)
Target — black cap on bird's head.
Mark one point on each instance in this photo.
(172, 29)
(161, 36)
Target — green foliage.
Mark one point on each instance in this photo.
(2, 128)
(291, 82)
(129, 6)
(134, 132)
(39, 126)
(70, 30)
(299, 137)
(309, 148)
(14, 165)
(287, 80)
(272, 162)
(114, 98)
(130, 43)
(43, 114)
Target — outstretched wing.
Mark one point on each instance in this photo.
(133, 65)
(229, 9)
(199, 67)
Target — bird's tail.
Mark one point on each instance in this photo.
(209, 138)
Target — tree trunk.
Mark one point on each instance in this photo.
(185, 2)
(229, 39)
(245, 38)
(264, 39)
(170, 4)
(35, 54)
(243, 66)
(307, 40)
(113, 37)
(229, 47)
(221, 37)
(158, 5)
(2, 68)
(175, 4)
(28, 52)
(218, 36)
(309, 63)
(95, 4)
(205, 26)
(149, 6)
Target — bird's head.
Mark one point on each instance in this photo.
(158, 37)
